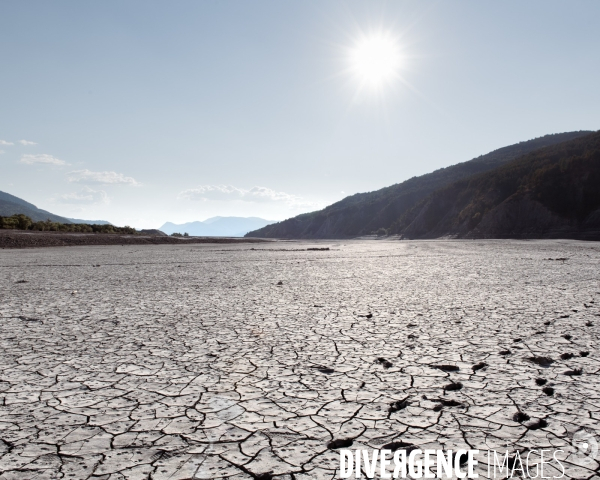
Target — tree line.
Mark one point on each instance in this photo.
(23, 222)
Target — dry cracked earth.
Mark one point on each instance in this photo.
(241, 361)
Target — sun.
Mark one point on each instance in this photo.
(375, 59)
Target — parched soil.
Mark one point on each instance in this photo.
(27, 239)
(242, 362)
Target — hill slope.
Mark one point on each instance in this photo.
(218, 226)
(553, 192)
(365, 213)
(11, 205)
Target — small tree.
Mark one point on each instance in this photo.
(18, 221)
(23, 221)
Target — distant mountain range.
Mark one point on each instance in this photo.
(536, 189)
(217, 226)
(11, 205)
(213, 227)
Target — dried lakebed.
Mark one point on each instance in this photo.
(241, 362)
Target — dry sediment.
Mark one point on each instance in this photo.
(224, 361)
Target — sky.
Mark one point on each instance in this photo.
(142, 112)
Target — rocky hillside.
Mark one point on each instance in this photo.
(366, 213)
(553, 192)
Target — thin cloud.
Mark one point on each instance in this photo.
(86, 196)
(2, 151)
(4, 142)
(26, 142)
(41, 158)
(253, 195)
(100, 178)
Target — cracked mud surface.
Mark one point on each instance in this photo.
(226, 361)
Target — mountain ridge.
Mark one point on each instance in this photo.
(366, 213)
(12, 205)
(217, 226)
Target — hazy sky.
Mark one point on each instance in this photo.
(142, 112)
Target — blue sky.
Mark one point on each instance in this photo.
(142, 112)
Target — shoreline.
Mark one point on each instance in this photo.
(17, 239)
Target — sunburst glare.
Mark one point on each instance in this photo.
(376, 60)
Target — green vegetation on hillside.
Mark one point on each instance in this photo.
(552, 192)
(23, 222)
(379, 211)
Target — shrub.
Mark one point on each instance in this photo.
(17, 222)
(23, 222)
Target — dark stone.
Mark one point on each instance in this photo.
(541, 423)
(450, 403)
(340, 443)
(29, 319)
(451, 387)
(548, 391)
(264, 476)
(385, 363)
(479, 366)
(326, 370)
(520, 417)
(541, 361)
(446, 368)
(399, 445)
(398, 405)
